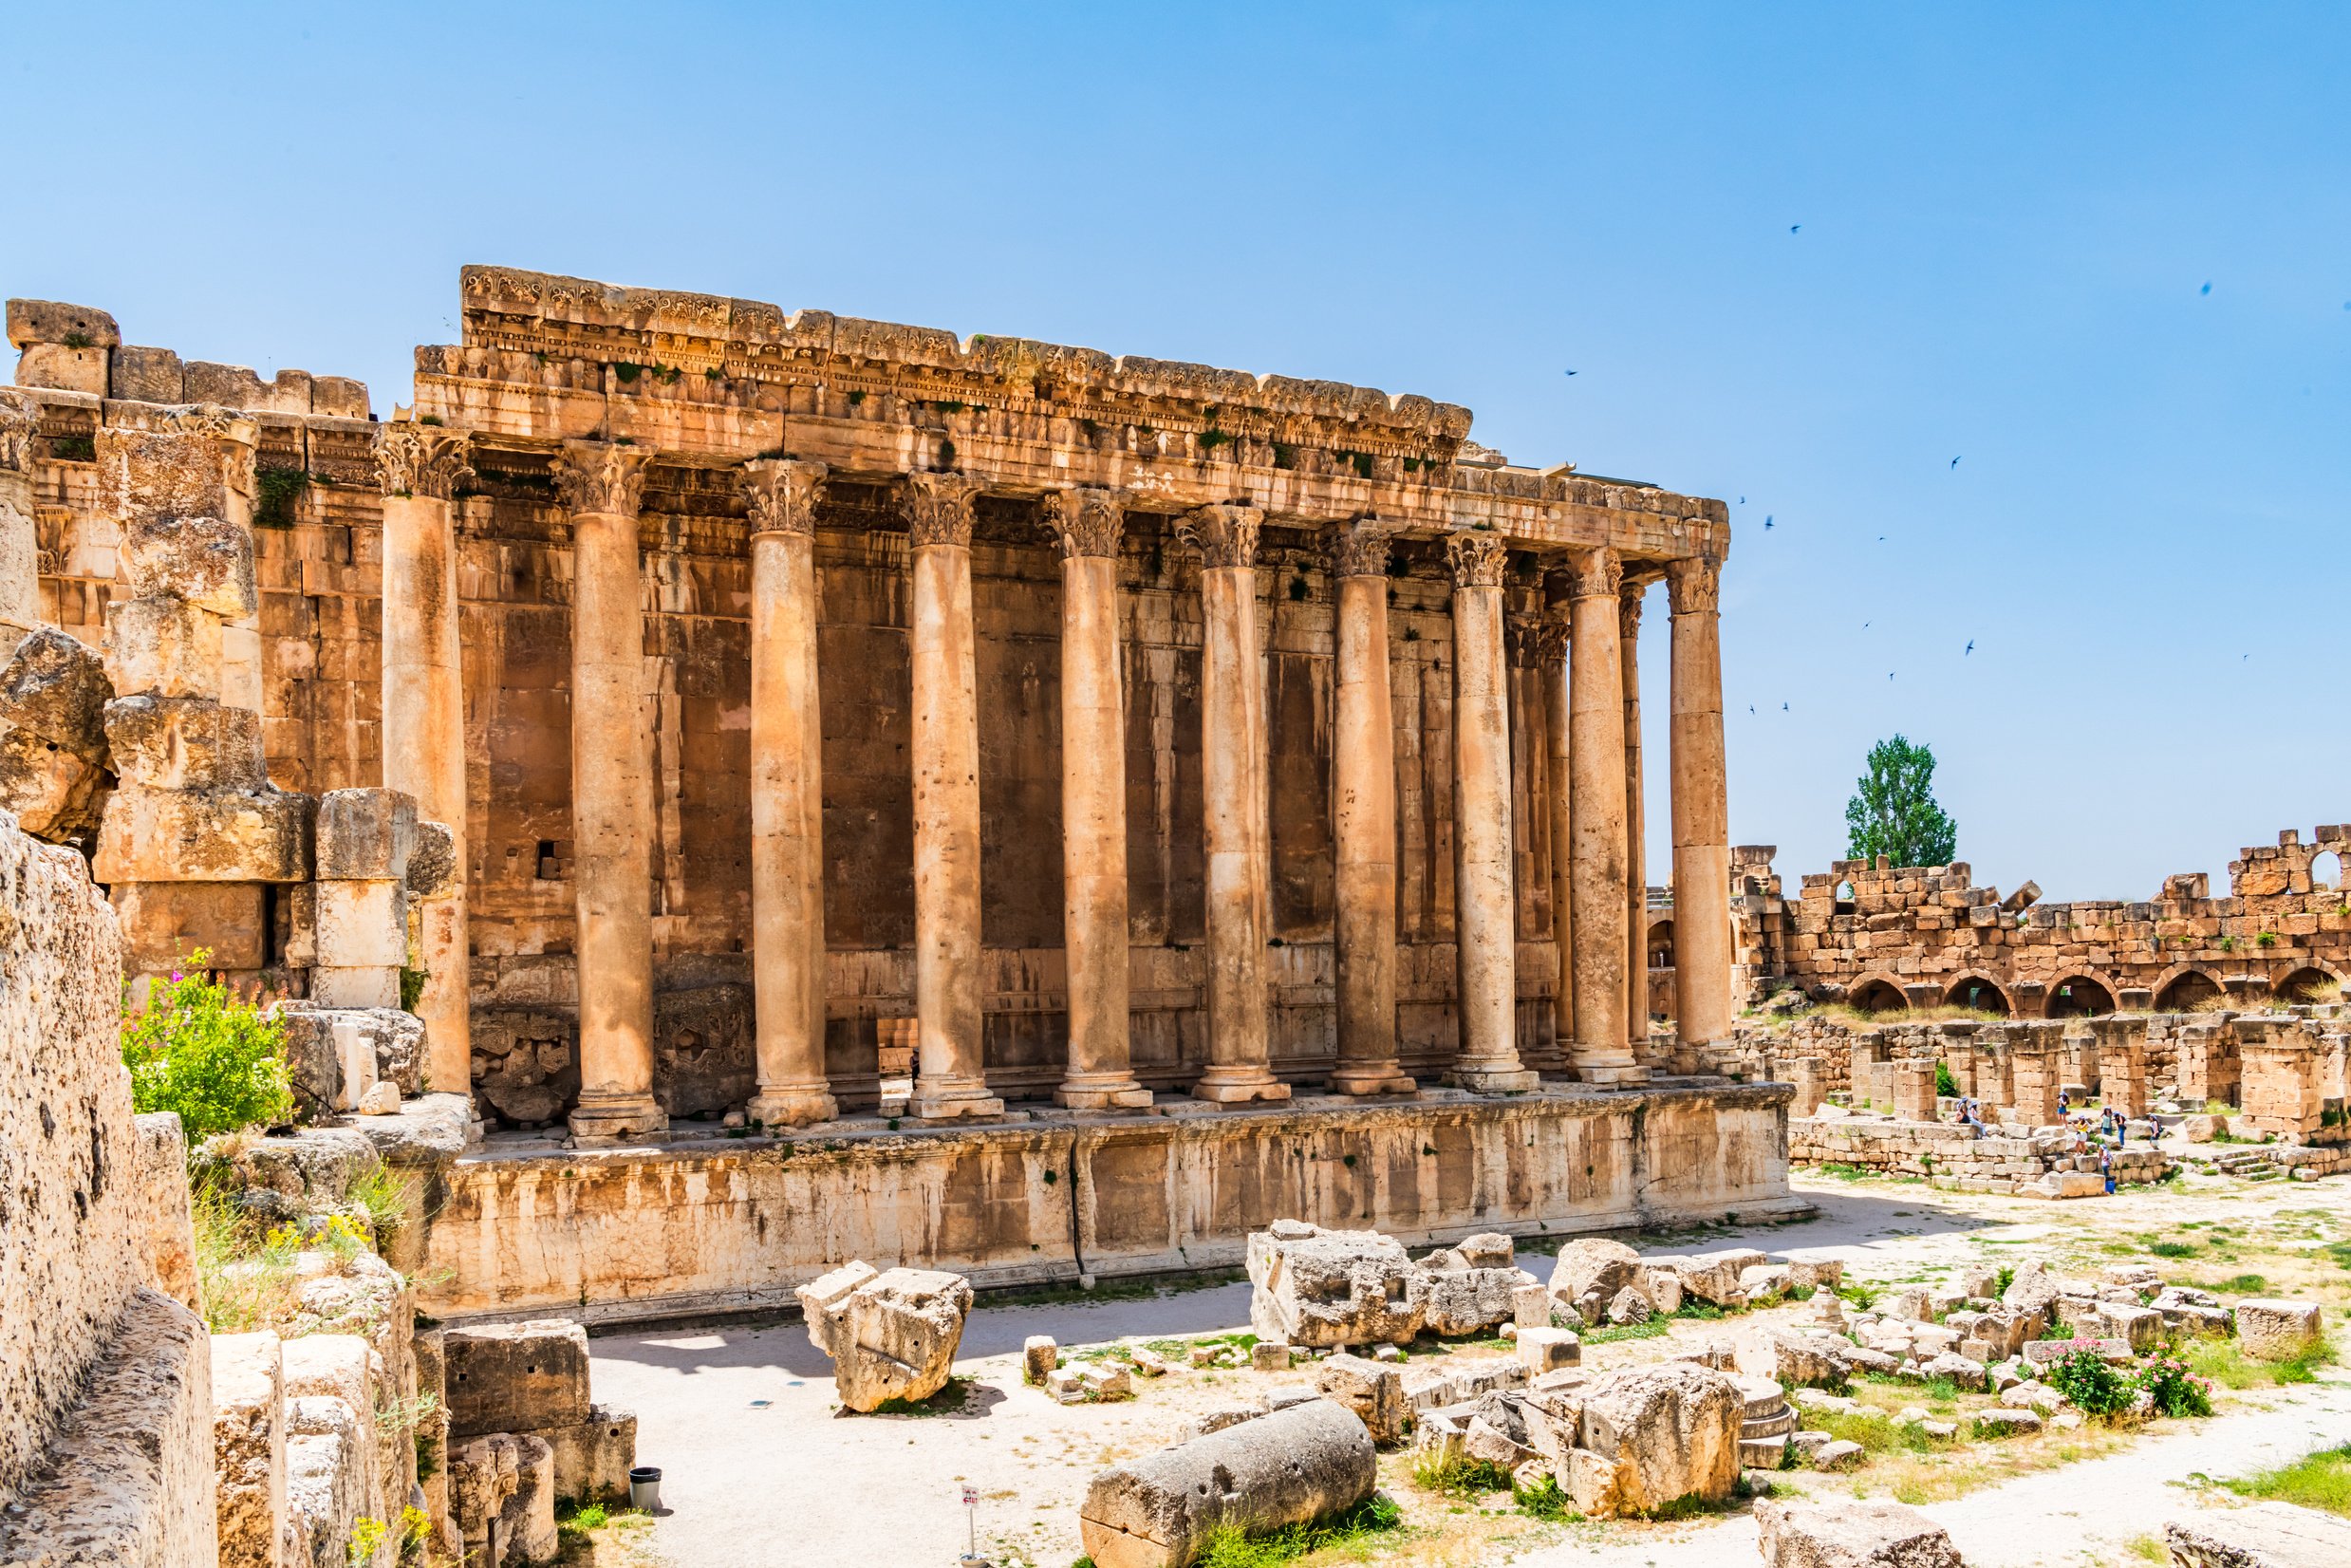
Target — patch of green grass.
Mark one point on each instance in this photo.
(1876, 1432)
(945, 1401)
(1615, 1332)
(1227, 1547)
(2242, 1284)
(1544, 1501)
(2320, 1480)
(2173, 1249)
(2151, 1549)
(1458, 1476)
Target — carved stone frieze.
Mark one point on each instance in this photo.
(1087, 518)
(603, 478)
(782, 495)
(421, 460)
(1694, 587)
(938, 508)
(1478, 559)
(18, 416)
(1225, 534)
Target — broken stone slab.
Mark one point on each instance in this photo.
(502, 1487)
(1325, 1288)
(433, 861)
(1836, 1454)
(1655, 1435)
(1850, 1532)
(2266, 1535)
(317, 1038)
(1592, 1269)
(327, 1474)
(204, 561)
(1811, 1358)
(1965, 1373)
(204, 835)
(892, 1334)
(1374, 1390)
(55, 686)
(249, 1447)
(1270, 1355)
(1472, 1298)
(2272, 1330)
(1289, 1466)
(2007, 1422)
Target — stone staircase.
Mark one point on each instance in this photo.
(1764, 1425)
(2251, 1165)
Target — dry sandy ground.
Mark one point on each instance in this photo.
(761, 1470)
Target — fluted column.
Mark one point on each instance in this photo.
(1486, 919)
(786, 797)
(1363, 819)
(1702, 932)
(611, 796)
(1094, 804)
(1233, 773)
(1596, 818)
(423, 737)
(1629, 601)
(1552, 661)
(951, 1069)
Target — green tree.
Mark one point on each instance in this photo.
(1894, 812)
(199, 1051)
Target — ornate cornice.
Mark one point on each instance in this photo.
(781, 494)
(1089, 519)
(1594, 573)
(937, 507)
(1225, 534)
(420, 459)
(1694, 587)
(603, 478)
(1359, 549)
(1478, 559)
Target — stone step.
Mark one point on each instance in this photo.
(1762, 1454)
(1764, 1396)
(1757, 1427)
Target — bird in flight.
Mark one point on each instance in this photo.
(1750, 707)
(1969, 649)
(1890, 675)
(1783, 707)
(1881, 539)
(2206, 289)
(1793, 227)
(1766, 522)
(1955, 462)
(1571, 372)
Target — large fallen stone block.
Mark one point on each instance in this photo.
(1848, 1533)
(2268, 1535)
(185, 743)
(1655, 1435)
(1316, 1287)
(1590, 1270)
(891, 1335)
(54, 793)
(55, 686)
(203, 560)
(514, 1377)
(204, 835)
(1293, 1466)
(1811, 1358)
(1373, 1390)
(249, 1447)
(2279, 1330)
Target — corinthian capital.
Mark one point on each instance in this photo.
(1478, 559)
(1089, 520)
(420, 459)
(1694, 587)
(1225, 536)
(601, 478)
(1594, 573)
(937, 507)
(1631, 593)
(1359, 549)
(781, 494)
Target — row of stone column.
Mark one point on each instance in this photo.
(1590, 694)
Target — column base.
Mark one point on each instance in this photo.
(954, 1100)
(1611, 1068)
(793, 1106)
(1101, 1092)
(1362, 1079)
(601, 1121)
(1496, 1079)
(1239, 1086)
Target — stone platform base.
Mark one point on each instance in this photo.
(719, 1224)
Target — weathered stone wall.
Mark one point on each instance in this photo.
(640, 1233)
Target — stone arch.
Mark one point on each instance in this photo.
(1660, 948)
(2326, 872)
(2080, 996)
(1980, 992)
(2297, 986)
(1844, 903)
(1877, 994)
(2184, 990)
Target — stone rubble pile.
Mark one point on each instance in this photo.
(1328, 1288)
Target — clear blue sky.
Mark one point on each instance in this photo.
(2008, 218)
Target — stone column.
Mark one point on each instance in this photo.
(1597, 819)
(1701, 929)
(1094, 804)
(611, 796)
(421, 467)
(1231, 744)
(1486, 918)
(1629, 600)
(1560, 767)
(950, 1078)
(20, 550)
(1363, 819)
(787, 797)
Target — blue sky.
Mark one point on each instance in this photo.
(2009, 216)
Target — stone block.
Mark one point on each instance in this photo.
(185, 743)
(355, 987)
(1811, 1358)
(433, 862)
(318, 1036)
(1543, 1350)
(338, 397)
(1038, 1355)
(891, 1335)
(1469, 1300)
(1374, 1390)
(32, 321)
(1590, 1270)
(162, 648)
(163, 923)
(360, 924)
(249, 1447)
(593, 1457)
(55, 366)
(1286, 1468)
(54, 794)
(54, 685)
(327, 1486)
(502, 1488)
(1667, 1433)
(1530, 1307)
(147, 375)
(159, 1173)
(204, 835)
(203, 560)
(365, 835)
(1319, 1288)
(1850, 1532)
(2266, 1535)
(510, 1378)
(2271, 1330)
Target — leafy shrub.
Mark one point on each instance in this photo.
(2176, 1390)
(200, 1051)
(2091, 1382)
(1945, 1085)
(1544, 1500)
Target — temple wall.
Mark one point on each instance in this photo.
(642, 1233)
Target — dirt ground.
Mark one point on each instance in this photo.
(762, 1469)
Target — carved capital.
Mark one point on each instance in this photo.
(19, 417)
(421, 460)
(600, 477)
(1089, 520)
(937, 507)
(1478, 559)
(1631, 593)
(1523, 637)
(1695, 585)
(1551, 639)
(781, 494)
(1225, 536)
(1359, 549)
(1594, 573)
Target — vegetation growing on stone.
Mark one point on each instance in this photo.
(199, 1050)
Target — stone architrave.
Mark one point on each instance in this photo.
(786, 797)
(950, 1080)
(1485, 939)
(1094, 804)
(1232, 747)
(611, 796)
(421, 467)
(1702, 932)
(1363, 818)
(1597, 819)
